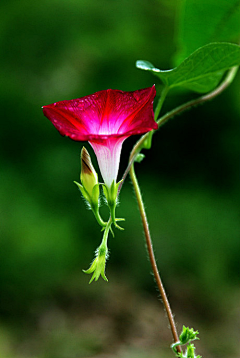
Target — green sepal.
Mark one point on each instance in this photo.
(111, 194)
(95, 195)
(105, 191)
(93, 201)
(188, 335)
(83, 191)
(190, 351)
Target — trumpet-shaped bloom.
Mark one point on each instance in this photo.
(105, 119)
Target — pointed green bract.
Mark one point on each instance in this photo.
(98, 265)
(83, 191)
(202, 70)
(186, 337)
(111, 194)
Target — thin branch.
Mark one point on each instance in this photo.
(207, 97)
(136, 149)
(152, 257)
(226, 82)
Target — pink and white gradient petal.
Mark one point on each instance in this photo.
(105, 119)
(108, 156)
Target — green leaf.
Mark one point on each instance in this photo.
(202, 70)
(205, 21)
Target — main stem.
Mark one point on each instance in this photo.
(136, 149)
(152, 256)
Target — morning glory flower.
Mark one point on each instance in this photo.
(105, 119)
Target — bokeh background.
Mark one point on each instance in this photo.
(52, 50)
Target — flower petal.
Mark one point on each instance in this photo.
(108, 155)
(105, 113)
(105, 119)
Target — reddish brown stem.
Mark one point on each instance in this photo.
(152, 257)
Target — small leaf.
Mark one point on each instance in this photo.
(202, 70)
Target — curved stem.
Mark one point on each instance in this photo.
(207, 97)
(152, 256)
(138, 146)
(136, 149)
(160, 102)
(106, 231)
(95, 210)
(226, 82)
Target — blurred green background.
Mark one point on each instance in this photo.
(63, 49)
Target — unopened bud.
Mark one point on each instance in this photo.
(97, 268)
(89, 177)
(90, 186)
(188, 335)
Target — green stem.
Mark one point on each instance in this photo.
(160, 102)
(152, 256)
(138, 146)
(106, 231)
(97, 215)
(148, 140)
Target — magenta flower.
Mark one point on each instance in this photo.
(105, 119)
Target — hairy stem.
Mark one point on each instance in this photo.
(152, 257)
(136, 149)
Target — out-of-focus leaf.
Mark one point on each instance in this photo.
(205, 21)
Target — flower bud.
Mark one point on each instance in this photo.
(90, 186)
(97, 268)
(89, 177)
(188, 335)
